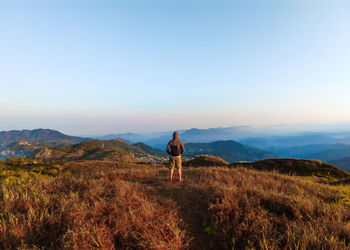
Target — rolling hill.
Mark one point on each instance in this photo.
(298, 167)
(149, 150)
(205, 160)
(46, 136)
(228, 150)
(21, 148)
(117, 150)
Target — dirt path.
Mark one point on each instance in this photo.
(193, 206)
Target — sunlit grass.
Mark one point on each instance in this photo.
(109, 205)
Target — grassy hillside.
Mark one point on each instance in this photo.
(21, 148)
(205, 160)
(149, 150)
(228, 150)
(118, 150)
(109, 205)
(298, 167)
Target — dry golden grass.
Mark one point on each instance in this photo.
(108, 205)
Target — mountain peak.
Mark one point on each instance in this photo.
(40, 135)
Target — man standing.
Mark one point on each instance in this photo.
(175, 148)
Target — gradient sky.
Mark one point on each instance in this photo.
(94, 67)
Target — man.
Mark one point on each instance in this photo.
(175, 148)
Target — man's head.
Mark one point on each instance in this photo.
(176, 135)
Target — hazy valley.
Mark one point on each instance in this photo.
(227, 143)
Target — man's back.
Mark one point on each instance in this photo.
(175, 147)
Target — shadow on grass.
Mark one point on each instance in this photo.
(193, 204)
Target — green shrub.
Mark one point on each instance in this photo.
(22, 161)
(12, 161)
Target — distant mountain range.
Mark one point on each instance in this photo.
(307, 150)
(53, 145)
(47, 136)
(339, 151)
(160, 140)
(246, 135)
(220, 142)
(343, 163)
(230, 151)
(304, 139)
(328, 147)
(121, 150)
(324, 152)
(131, 137)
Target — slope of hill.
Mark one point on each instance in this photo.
(118, 150)
(343, 163)
(299, 167)
(205, 160)
(46, 136)
(104, 205)
(228, 150)
(21, 148)
(149, 150)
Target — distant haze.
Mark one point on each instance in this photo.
(99, 67)
(90, 127)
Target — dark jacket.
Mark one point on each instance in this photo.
(175, 146)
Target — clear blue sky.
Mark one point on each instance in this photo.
(115, 66)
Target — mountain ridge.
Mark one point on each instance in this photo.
(47, 136)
(117, 150)
(343, 163)
(228, 150)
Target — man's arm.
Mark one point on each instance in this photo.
(168, 148)
(182, 148)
